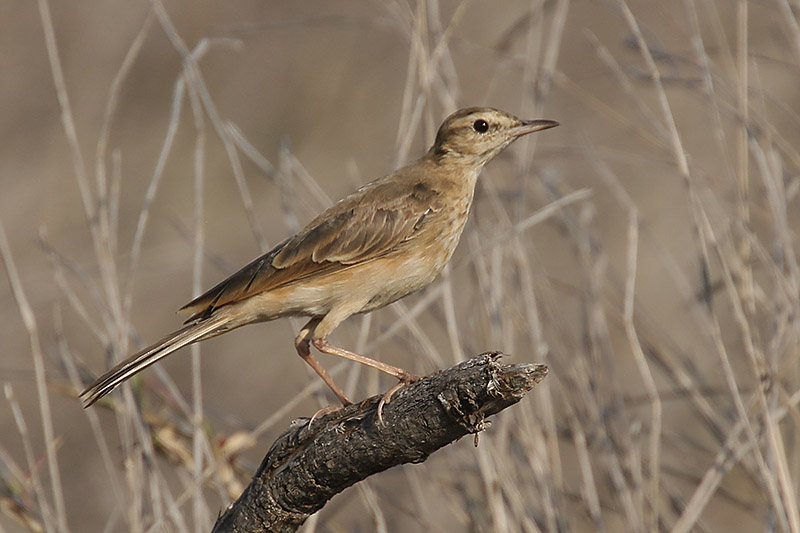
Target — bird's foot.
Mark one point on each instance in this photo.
(405, 379)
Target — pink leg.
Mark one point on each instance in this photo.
(302, 344)
(404, 376)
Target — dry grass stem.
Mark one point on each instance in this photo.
(646, 251)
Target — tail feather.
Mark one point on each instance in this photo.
(141, 360)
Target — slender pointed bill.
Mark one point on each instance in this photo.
(529, 126)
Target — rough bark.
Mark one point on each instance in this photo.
(308, 464)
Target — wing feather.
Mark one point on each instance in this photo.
(349, 233)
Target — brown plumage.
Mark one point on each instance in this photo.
(386, 240)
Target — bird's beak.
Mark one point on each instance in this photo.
(529, 126)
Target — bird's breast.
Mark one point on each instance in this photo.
(417, 262)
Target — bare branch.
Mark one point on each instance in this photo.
(311, 462)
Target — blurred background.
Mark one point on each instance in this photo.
(644, 250)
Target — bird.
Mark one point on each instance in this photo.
(386, 240)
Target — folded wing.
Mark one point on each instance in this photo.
(347, 234)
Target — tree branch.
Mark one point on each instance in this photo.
(308, 464)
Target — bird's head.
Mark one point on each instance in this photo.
(477, 134)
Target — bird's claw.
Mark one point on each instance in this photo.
(405, 379)
(324, 411)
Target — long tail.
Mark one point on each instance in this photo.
(141, 360)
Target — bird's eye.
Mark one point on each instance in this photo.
(481, 126)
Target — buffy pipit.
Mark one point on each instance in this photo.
(386, 240)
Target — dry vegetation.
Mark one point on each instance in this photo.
(644, 250)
